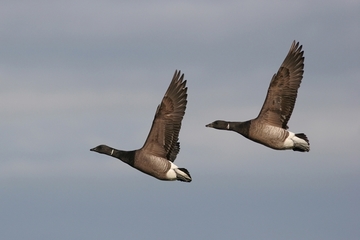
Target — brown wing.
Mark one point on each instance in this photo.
(282, 92)
(163, 137)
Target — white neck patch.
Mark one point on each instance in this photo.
(228, 126)
(112, 151)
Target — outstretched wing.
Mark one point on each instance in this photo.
(163, 137)
(282, 92)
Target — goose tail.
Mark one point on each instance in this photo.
(301, 143)
(182, 174)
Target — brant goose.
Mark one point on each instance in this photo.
(270, 126)
(157, 155)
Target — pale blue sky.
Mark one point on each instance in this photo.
(75, 74)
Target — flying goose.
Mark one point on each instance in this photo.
(270, 126)
(161, 147)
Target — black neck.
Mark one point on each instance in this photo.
(240, 127)
(125, 156)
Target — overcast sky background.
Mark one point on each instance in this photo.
(75, 74)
